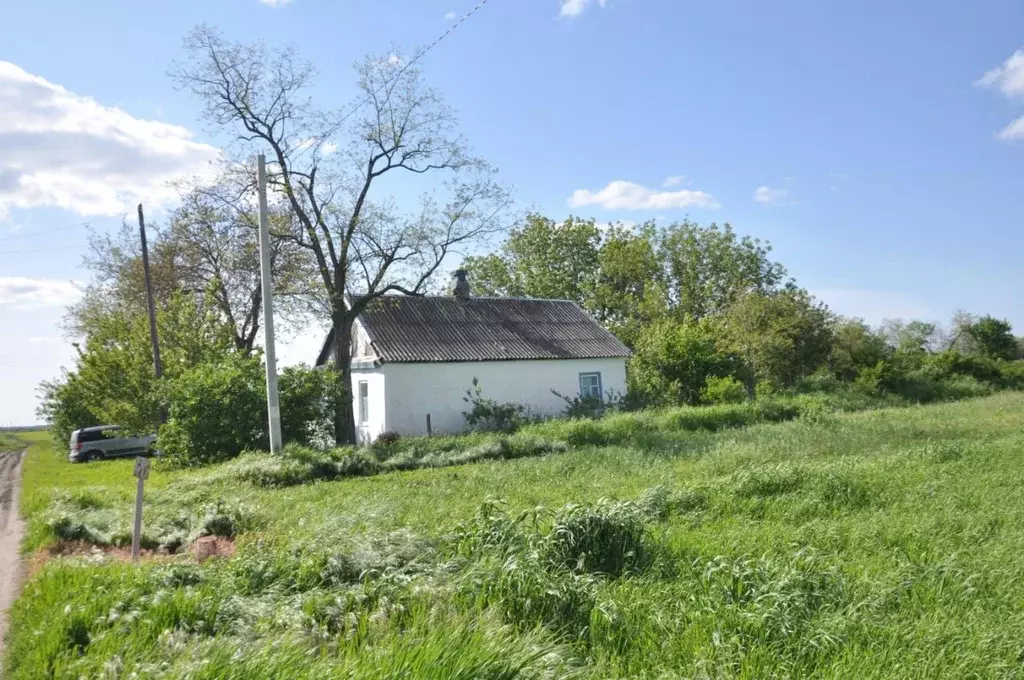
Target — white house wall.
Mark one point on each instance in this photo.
(377, 412)
(414, 390)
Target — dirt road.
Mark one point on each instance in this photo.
(11, 530)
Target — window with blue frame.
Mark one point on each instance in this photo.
(590, 386)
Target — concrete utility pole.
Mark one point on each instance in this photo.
(273, 408)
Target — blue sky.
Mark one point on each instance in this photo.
(873, 143)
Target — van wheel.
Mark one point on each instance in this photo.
(91, 456)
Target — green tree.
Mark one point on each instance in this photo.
(780, 337)
(994, 338)
(217, 410)
(630, 291)
(913, 337)
(707, 268)
(856, 346)
(674, 359)
(541, 259)
(114, 381)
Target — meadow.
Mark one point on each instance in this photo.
(687, 543)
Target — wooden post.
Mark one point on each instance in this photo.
(142, 473)
(429, 431)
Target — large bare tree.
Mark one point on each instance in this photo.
(335, 171)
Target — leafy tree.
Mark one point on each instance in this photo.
(707, 268)
(307, 404)
(994, 338)
(357, 240)
(217, 410)
(66, 405)
(630, 291)
(113, 381)
(910, 337)
(856, 346)
(674, 360)
(541, 259)
(780, 337)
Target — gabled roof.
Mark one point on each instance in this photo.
(437, 329)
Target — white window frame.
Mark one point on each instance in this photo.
(363, 401)
(600, 385)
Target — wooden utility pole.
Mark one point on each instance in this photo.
(273, 409)
(157, 366)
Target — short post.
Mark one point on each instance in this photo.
(142, 474)
(429, 431)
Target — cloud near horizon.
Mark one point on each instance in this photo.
(622, 195)
(63, 150)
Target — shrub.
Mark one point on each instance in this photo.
(726, 390)
(216, 411)
(387, 438)
(488, 414)
(674, 359)
(308, 397)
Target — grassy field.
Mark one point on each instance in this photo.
(885, 543)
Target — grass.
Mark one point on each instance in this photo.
(885, 543)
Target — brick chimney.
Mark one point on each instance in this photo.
(461, 287)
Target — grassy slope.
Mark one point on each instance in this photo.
(878, 544)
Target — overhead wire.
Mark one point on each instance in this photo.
(419, 55)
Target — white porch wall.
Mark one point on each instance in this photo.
(414, 390)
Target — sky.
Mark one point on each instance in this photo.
(878, 146)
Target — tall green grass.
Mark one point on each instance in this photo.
(882, 543)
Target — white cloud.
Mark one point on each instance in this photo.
(674, 180)
(574, 8)
(1013, 131)
(63, 150)
(23, 293)
(621, 195)
(43, 340)
(451, 16)
(1008, 77)
(275, 3)
(769, 195)
(873, 305)
(329, 148)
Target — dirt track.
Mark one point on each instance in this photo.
(11, 530)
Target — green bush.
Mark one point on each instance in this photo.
(674, 359)
(308, 397)
(491, 416)
(726, 390)
(216, 412)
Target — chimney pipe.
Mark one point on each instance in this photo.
(461, 288)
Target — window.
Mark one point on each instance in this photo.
(590, 386)
(364, 402)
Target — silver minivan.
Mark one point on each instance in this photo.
(106, 441)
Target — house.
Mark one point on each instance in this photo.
(414, 358)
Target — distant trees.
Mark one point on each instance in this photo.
(703, 308)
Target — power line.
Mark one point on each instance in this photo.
(46, 231)
(419, 55)
(37, 250)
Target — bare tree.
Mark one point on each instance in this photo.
(359, 243)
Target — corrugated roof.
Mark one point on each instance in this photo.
(425, 329)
